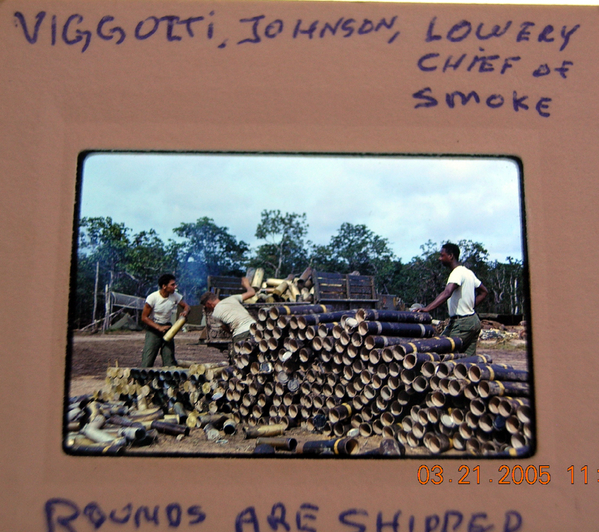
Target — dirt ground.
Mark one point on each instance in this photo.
(91, 355)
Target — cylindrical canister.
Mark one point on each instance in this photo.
(170, 334)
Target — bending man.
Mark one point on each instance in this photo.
(156, 315)
(464, 292)
(231, 312)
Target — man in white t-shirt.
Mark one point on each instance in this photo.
(156, 314)
(231, 312)
(463, 292)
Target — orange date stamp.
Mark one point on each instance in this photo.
(504, 474)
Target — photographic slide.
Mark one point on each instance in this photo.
(349, 371)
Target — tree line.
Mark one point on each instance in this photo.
(110, 254)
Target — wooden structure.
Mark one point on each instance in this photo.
(344, 291)
(224, 286)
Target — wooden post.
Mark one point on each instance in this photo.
(107, 304)
(106, 308)
(96, 293)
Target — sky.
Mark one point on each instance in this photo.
(407, 200)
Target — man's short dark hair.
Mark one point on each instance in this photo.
(165, 279)
(452, 249)
(207, 296)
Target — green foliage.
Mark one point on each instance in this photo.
(422, 278)
(105, 241)
(127, 263)
(207, 249)
(82, 311)
(131, 263)
(285, 250)
(357, 248)
(148, 258)
(506, 289)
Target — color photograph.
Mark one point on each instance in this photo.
(293, 305)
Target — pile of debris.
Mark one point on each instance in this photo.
(272, 290)
(493, 330)
(344, 376)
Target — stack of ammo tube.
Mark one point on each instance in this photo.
(377, 372)
(345, 375)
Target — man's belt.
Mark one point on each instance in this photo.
(156, 330)
(457, 316)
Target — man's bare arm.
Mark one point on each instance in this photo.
(186, 308)
(440, 299)
(249, 290)
(145, 318)
(481, 294)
